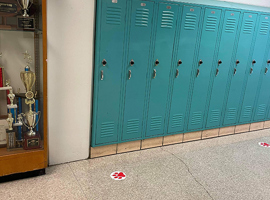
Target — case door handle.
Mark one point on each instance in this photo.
(102, 75)
(251, 70)
(177, 73)
(155, 73)
(129, 74)
(266, 70)
(234, 71)
(217, 72)
(198, 72)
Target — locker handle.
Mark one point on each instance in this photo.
(179, 62)
(129, 74)
(266, 70)
(237, 62)
(155, 73)
(177, 73)
(198, 72)
(268, 61)
(251, 70)
(102, 75)
(104, 62)
(219, 62)
(200, 62)
(234, 72)
(156, 62)
(253, 62)
(132, 62)
(217, 72)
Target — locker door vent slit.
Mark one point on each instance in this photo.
(264, 28)
(214, 116)
(261, 110)
(231, 114)
(211, 23)
(107, 129)
(196, 118)
(113, 15)
(132, 126)
(156, 123)
(167, 19)
(248, 26)
(177, 120)
(247, 112)
(230, 25)
(142, 17)
(190, 21)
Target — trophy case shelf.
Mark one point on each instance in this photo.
(23, 86)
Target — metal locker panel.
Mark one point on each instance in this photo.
(136, 68)
(108, 69)
(239, 71)
(255, 67)
(222, 65)
(263, 95)
(203, 67)
(185, 56)
(161, 66)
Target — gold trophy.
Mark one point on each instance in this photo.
(30, 118)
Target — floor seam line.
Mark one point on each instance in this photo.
(190, 173)
(77, 181)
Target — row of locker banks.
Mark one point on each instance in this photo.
(163, 68)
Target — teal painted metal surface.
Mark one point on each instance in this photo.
(255, 68)
(108, 75)
(161, 67)
(182, 73)
(262, 104)
(136, 68)
(203, 67)
(222, 68)
(242, 55)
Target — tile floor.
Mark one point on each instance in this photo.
(233, 167)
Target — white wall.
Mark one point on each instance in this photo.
(265, 3)
(70, 49)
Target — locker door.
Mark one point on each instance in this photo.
(203, 67)
(165, 34)
(240, 66)
(255, 66)
(185, 56)
(222, 65)
(264, 95)
(108, 70)
(137, 66)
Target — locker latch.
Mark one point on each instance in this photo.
(217, 72)
(177, 73)
(104, 62)
(234, 71)
(198, 72)
(155, 73)
(251, 70)
(266, 70)
(157, 62)
(129, 74)
(101, 74)
(132, 62)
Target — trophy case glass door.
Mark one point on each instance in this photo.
(22, 83)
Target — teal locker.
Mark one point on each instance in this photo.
(262, 103)
(240, 68)
(223, 65)
(108, 70)
(203, 67)
(136, 68)
(161, 67)
(255, 68)
(185, 56)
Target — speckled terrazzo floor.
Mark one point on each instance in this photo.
(233, 167)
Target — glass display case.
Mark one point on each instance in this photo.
(23, 86)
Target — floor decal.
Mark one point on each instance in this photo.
(117, 175)
(264, 144)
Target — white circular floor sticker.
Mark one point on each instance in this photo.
(117, 175)
(264, 144)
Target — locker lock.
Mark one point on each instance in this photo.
(268, 61)
(180, 62)
(157, 62)
(200, 62)
(219, 62)
(104, 62)
(132, 62)
(237, 62)
(253, 61)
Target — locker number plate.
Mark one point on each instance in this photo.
(114, 1)
(191, 10)
(232, 14)
(213, 12)
(169, 7)
(250, 16)
(143, 4)
(266, 17)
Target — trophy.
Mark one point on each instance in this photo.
(11, 138)
(25, 5)
(31, 118)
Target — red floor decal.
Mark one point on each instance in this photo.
(118, 175)
(264, 144)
